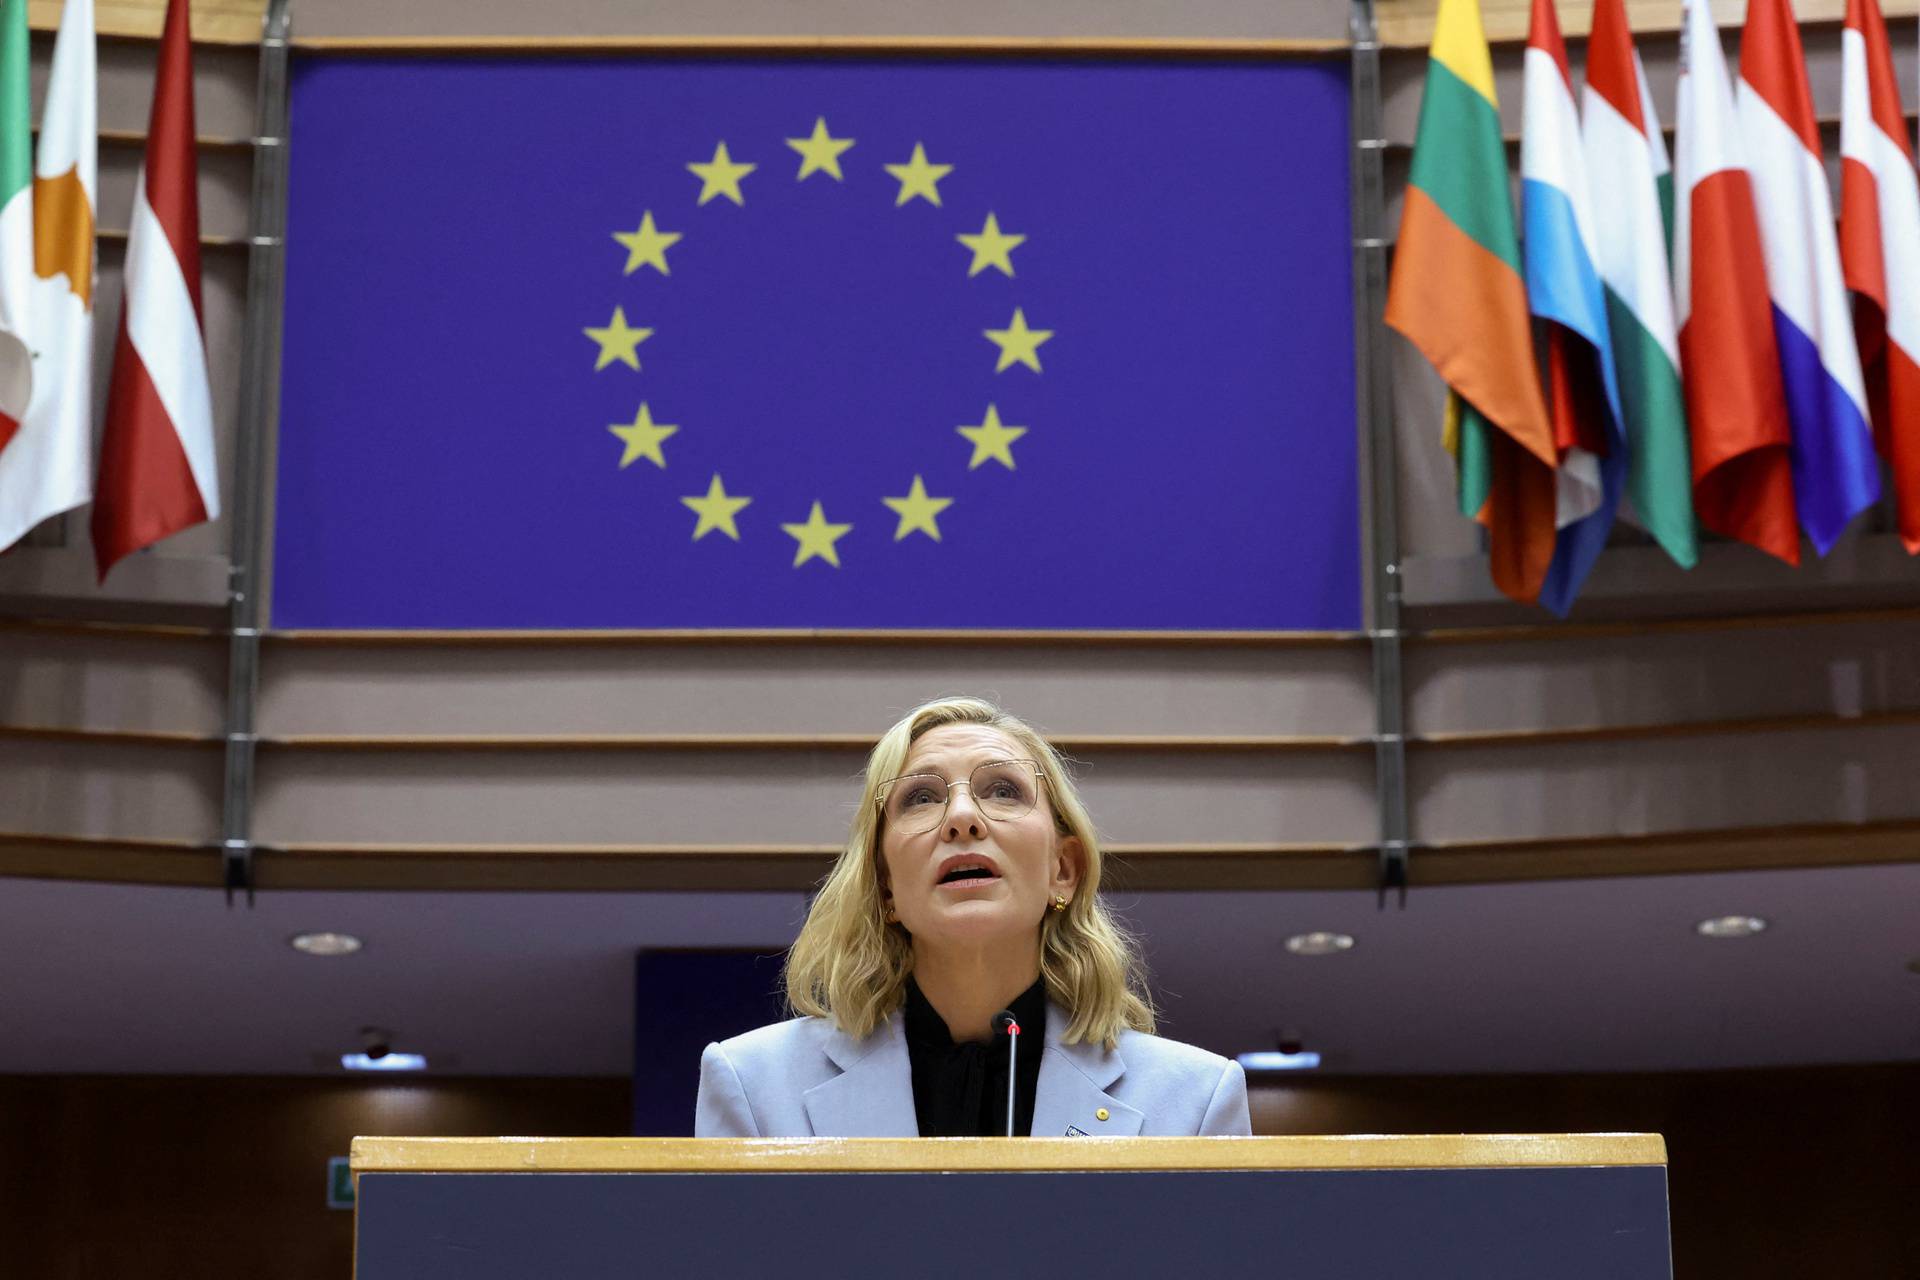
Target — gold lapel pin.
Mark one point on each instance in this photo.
(1101, 1114)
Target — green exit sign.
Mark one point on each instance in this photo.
(339, 1183)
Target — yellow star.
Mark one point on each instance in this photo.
(917, 511)
(918, 178)
(1018, 344)
(991, 248)
(643, 436)
(992, 439)
(816, 538)
(820, 153)
(720, 176)
(648, 246)
(617, 342)
(716, 510)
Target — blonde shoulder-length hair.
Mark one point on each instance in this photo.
(849, 964)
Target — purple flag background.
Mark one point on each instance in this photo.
(446, 458)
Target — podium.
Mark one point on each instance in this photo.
(1489, 1207)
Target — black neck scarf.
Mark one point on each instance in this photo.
(960, 1090)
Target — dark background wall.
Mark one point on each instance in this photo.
(1799, 1173)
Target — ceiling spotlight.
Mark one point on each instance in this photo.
(1730, 927)
(1320, 944)
(1306, 1060)
(377, 1054)
(325, 944)
(385, 1062)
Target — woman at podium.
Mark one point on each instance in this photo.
(968, 890)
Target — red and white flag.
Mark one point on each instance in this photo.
(1880, 249)
(1736, 402)
(158, 474)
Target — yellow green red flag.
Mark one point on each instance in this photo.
(1458, 295)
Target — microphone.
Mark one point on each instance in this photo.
(1005, 1021)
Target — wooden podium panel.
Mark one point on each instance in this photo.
(1489, 1207)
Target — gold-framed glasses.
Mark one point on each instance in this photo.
(1002, 790)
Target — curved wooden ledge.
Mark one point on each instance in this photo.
(958, 1155)
(1663, 626)
(1828, 122)
(1081, 744)
(831, 45)
(115, 630)
(109, 859)
(1675, 729)
(798, 868)
(1783, 848)
(1073, 745)
(764, 867)
(108, 737)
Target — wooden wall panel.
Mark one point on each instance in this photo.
(226, 186)
(777, 798)
(1666, 784)
(814, 688)
(225, 79)
(1322, 20)
(109, 789)
(1309, 782)
(78, 680)
(1619, 678)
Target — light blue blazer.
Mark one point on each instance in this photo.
(806, 1078)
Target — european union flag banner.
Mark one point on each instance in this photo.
(660, 343)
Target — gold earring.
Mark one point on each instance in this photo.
(1059, 904)
(890, 915)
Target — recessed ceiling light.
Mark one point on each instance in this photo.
(325, 944)
(1320, 944)
(385, 1062)
(1306, 1060)
(1730, 927)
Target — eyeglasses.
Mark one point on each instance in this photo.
(1003, 790)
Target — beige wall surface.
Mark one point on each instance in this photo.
(1228, 757)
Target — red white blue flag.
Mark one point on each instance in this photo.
(1835, 474)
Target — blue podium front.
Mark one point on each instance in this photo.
(1490, 1207)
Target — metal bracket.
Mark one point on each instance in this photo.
(236, 869)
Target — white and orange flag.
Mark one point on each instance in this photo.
(1880, 249)
(158, 474)
(48, 467)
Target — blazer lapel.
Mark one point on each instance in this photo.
(1073, 1089)
(872, 1097)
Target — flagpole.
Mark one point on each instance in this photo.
(1374, 402)
(259, 410)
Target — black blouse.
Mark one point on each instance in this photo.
(960, 1090)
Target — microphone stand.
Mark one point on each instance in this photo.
(1005, 1021)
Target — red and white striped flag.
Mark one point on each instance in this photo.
(1880, 249)
(1736, 403)
(158, 474)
